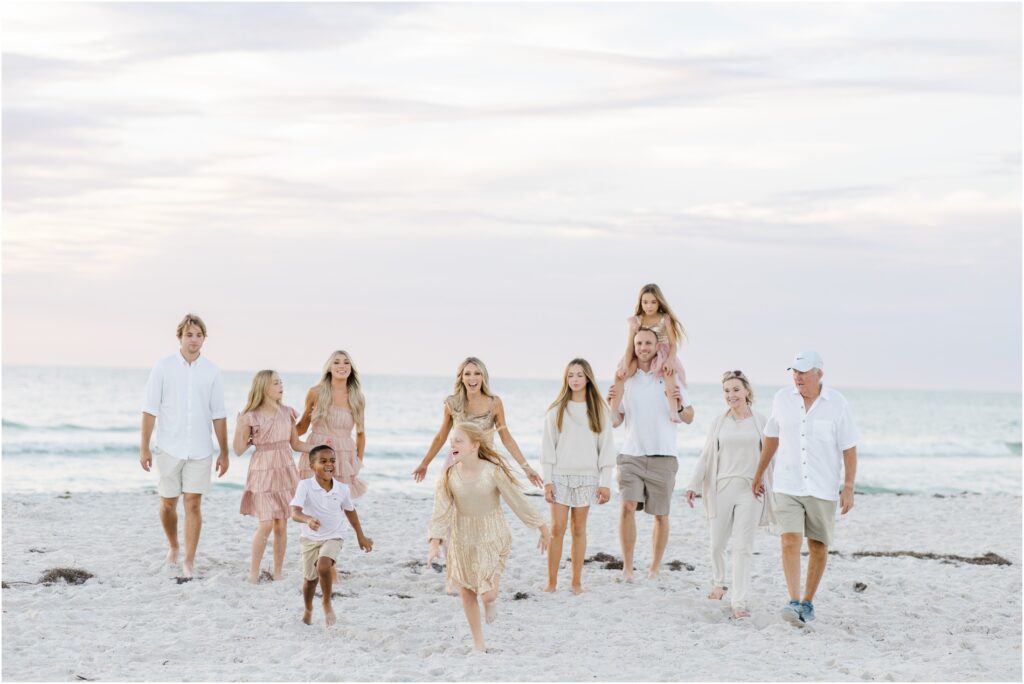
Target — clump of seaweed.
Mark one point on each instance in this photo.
(69, 575)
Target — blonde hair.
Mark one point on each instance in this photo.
(356, 400)
(457, 400)
(258, 392)
(738, 375)
(663, 308)
(595, 404)
(487, 452)
(190, 319)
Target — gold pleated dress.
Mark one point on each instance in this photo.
(480, 537)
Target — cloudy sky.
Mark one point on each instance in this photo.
(419, 182)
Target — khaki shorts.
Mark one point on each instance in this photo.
(648, 480)
(806, 515)
(177, 475)
(313, 551)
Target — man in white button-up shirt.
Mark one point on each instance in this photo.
(812, 432)
(185, 392)
(647, 464)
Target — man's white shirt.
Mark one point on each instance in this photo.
(648, 427)
(809, 460)
(185, 398)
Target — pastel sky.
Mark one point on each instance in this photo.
(419, 182)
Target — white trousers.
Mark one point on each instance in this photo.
(736, 514)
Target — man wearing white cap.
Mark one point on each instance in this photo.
(813, 432)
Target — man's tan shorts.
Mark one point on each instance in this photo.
(313, 551)
(177, 475)
(806, 515)
(648, 480)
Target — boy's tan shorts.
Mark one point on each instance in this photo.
(648, 480)
(177, 475)
(806, 515)
(313, 551)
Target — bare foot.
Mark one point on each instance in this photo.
(329, 618)
(307, 617)
(186, 569)
(577, 589)
(627, 575)
(254, 579)
(740, 613)
(550, 588)
(479, 646)
(653, 574)
(490, 612)
(278, 575)
(172, 556)
(717, 593)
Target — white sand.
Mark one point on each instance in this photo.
(917, 619)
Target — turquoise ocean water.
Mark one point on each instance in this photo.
(78, 430)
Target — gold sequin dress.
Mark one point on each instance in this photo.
(480, 537)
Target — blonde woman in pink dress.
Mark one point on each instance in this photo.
(334, 406)
(271, 480)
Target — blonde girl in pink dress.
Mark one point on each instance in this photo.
(271, 480)
(334, 406)
(654, 313)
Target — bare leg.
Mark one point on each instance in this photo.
(280, 544)
(472, 610)
(259, 545)
(659, 539)
(559, 517)
(579, 546)
(627, 537)
(791, 543)
(673, 403)
(193, 526)
(308, 592)
(323, 568)
(817, 557)
(169, 520)
(490, 600)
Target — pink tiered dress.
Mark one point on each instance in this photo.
(661, 351)
(338, 427)
(271, 481)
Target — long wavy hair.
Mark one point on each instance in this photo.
(487, 452)
(258, 392)
(457, 400)
(595, 404)
(663, 308)
(356, 400)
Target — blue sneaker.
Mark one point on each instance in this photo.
(806, 611)
(792, 611)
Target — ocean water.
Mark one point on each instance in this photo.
(78, 430)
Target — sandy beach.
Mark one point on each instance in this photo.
(916, 619)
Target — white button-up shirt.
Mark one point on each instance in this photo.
(649, 429)
(185, 398)
(325, 506)
(809, 461)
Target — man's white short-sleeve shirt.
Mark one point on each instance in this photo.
(185, 398)
(649, 430)
(325, 506)
(809, 460)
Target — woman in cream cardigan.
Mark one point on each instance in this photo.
(723, 474)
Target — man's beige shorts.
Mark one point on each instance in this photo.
(806, 515)
(648, 480)
(177, 475)
(313, 551)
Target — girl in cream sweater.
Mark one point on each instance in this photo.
(577, 460)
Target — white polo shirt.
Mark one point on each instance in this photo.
(809, 461)
(325, 506)
(649, 429)
(185, 398)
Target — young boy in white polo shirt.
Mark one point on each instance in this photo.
(318, 503)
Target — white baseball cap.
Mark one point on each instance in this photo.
(806, 360)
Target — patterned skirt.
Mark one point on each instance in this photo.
(575, 491)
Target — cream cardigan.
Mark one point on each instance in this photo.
(706, 472)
